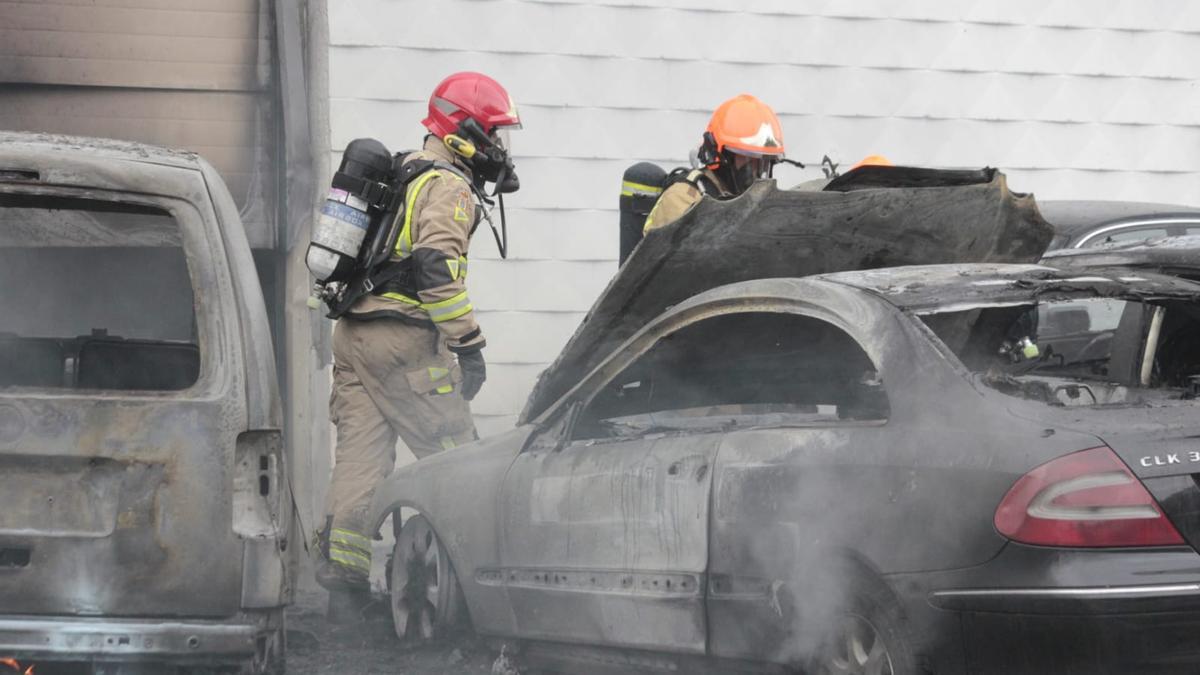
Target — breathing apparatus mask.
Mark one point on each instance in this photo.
(738, 170)
(490, 160)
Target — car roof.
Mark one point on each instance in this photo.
(1074, 218)
(49, 144)
(927, 288)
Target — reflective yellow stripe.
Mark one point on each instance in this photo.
(453, 315)
(436, 374)
(630, 189)
(352, 554)
(454, 266)
(649, 224)
(351, 560)
(402, 298)
(404, 242)
(447, 310)
(350, 541)
(459, 297)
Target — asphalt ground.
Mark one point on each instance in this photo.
(370, 647)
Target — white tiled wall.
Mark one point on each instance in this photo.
(1073, 99)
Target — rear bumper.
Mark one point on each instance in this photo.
(143, 639)
(1097, 600)
(1034, 610)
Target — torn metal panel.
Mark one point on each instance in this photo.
(946, 288)
(1170, 255)
(768, 232)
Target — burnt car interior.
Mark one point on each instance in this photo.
(745, 369)
(97, 296)
(1087, 351)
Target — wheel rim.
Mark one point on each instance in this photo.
(856, 649)
(416, 583)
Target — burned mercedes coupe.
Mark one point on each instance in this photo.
(979, 467)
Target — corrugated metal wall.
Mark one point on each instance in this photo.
(168, 72)
(1072, 99)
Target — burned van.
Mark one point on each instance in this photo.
(142, 511)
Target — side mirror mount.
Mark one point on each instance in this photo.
(551, 436)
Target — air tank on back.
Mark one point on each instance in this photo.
(641, 186)
(357, 198)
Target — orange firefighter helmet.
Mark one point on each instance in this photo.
(743, 141)
(873, 160)
(745, 125)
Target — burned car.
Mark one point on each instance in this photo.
(1087, 224)
(884, 471)
(870, 472)
(142, 516)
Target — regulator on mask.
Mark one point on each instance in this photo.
(490, 160)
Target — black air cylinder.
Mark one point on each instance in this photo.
(641, 187)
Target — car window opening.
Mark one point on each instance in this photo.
(97, 296)
(740, 370)
(1080, 352)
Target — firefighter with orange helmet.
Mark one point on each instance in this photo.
(741, 145)
(408, 356)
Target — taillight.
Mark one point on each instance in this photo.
(1085, 499)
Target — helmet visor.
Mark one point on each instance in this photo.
(502, 137)
(749, 168)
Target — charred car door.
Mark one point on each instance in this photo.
(605, 528)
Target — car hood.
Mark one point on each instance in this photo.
(889, 217)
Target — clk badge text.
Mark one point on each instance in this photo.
(1169, 459)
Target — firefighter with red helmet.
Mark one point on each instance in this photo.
(741, 145)
(408, 356)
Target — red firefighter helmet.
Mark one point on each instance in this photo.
(470, 95)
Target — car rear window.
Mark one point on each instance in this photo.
(97, 296)
(1085, 351)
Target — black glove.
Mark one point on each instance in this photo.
(474, 372)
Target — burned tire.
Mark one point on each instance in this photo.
(426, 598)
(867, 637)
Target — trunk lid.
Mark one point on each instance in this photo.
(1155, 440)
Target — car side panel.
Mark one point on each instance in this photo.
(606, 543)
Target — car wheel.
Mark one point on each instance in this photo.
(426, 597)
(868, 638)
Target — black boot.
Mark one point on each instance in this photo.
(348, 606)
(349, 592)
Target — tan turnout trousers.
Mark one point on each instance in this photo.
(391, 379)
